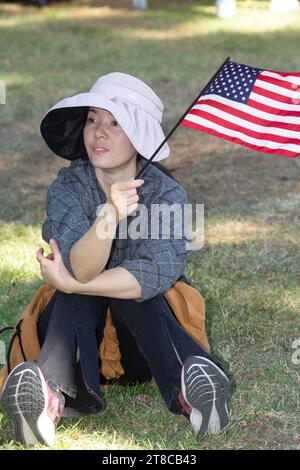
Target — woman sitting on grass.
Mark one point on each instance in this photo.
(97, 266)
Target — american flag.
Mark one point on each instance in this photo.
(250, 106)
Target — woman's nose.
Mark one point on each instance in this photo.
(101, 131)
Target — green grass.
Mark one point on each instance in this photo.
(248, 270)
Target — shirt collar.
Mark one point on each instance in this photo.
(148, 176)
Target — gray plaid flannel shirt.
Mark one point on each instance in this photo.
(71, 205)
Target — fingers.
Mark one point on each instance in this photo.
(125, 189)
(128, 192)
(132, 208)
(41, 258)
(125, 185)
(42, 266)
(124, 197)
(39, 254)
(124, 205)
(132, 199)
(54, 247)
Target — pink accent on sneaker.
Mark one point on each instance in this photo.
(185, 407)
(55, 406)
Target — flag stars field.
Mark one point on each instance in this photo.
(259, 109)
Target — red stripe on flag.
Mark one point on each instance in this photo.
(270, 109)
(249, 132)
(276, 81)
(249, 117)
(284, 74)
(272, 95)
(198, 127)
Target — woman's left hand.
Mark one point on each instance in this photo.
(54, 271)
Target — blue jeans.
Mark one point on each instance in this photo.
(152, 344)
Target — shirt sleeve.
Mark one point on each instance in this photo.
(160, 262)
(65, 221)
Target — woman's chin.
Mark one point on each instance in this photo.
(103, 164)
(100, 161)
(106, 161)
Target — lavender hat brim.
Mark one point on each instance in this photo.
(133, 104)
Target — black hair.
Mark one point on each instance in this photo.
(157, 165)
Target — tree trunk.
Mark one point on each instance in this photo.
(282, 6)
(226, 8)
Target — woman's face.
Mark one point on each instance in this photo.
(106, 143)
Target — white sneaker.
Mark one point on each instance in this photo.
(205, 390)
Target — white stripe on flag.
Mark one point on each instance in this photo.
(249, 110)
(241, 136)
(275, 104)
(289, 78)
(250, 125)
(279, 90)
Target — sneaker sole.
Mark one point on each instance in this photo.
(205, 388)
(29, 415)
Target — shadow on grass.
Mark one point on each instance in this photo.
(174, 14)
(154, 5)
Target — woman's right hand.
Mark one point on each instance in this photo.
(124, 197)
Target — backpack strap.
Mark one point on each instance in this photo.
(17, 333)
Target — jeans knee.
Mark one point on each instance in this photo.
(119, 304)
(63, 295)
(75, 301)
(151, 307)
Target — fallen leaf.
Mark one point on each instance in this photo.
(145, 400)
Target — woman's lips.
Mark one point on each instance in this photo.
(99, 150)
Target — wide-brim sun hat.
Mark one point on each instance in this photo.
(134, 105)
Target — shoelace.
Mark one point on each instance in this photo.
(17, 333)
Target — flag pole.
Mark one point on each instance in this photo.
(182, 117)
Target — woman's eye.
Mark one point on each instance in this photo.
(90, 119)
(114, 123)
